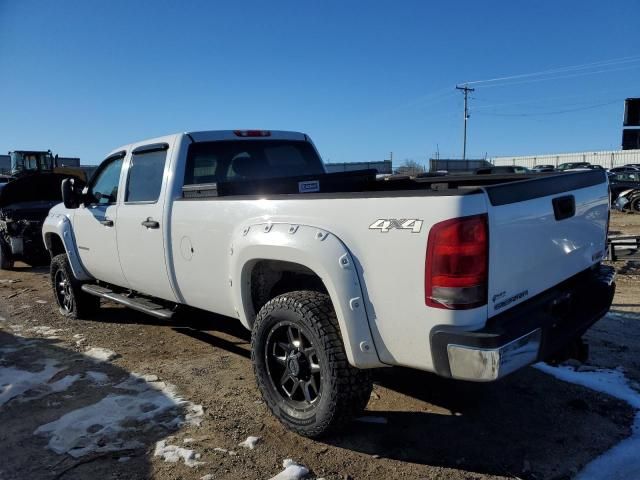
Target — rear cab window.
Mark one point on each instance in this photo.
(246, 160)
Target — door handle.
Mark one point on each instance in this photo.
(150, 223)
(107, 222)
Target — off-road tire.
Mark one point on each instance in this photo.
(82, 304)
(6, 262)
(345, 390)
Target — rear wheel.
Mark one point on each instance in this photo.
(72, 301)
(301, 366)
(6, 261)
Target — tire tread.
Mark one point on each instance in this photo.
(353, 386)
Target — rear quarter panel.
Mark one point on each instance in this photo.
(390, 265)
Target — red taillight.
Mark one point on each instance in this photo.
(457, 263)
(252, 133)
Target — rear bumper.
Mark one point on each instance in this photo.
(532, 331)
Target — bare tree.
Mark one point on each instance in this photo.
(409, 167)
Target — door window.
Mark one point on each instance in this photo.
(145, 176)
(104, 189)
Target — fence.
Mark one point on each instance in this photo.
(607, 159)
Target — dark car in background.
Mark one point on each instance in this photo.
(506, 170)
(622, 181)
(626, 168)
(543, 168)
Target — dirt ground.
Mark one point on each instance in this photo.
(528, 426)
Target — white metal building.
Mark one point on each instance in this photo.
(608, 159)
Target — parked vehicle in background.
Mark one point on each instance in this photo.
(626, 168)
(625, 190)
(4, 179)
(25, 200)
(336, 274)
(501, 170)
(543, 168)
(573, 165)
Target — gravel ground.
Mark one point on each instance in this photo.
(529, 426)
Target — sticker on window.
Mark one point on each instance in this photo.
(308, 187)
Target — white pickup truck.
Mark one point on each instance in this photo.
(470, 277)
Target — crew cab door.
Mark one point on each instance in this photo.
(94, 223)
(140, 227)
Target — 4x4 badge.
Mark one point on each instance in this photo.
(386, 224)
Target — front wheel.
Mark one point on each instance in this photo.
(301, 366)
(72, 301)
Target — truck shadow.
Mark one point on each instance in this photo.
(529, 425)
(216, 330)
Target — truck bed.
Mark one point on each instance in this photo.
(364, 183)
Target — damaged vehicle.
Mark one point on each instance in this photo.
(625, 191)
(25, 202)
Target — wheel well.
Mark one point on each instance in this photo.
(55, 245)
(270, 278)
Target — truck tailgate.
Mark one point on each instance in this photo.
(543, 231)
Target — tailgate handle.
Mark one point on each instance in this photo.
(564, 207)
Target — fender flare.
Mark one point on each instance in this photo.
(60, 226)
(324, 254)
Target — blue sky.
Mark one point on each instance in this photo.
(363, 78)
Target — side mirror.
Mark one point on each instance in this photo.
(70, 197)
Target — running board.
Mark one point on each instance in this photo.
(136, 303)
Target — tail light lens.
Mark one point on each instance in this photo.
(457, 263)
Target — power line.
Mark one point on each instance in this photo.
(465, 91)
(556, 112)
(559, 77)
(570, 68)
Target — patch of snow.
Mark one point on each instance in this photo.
(250, 442)
(64, 383)
(45, 331)
(15, 382)
(224, 450)
(620, 462)
(208, 476)
(105, 426)
(623, 314)
(292, 471)
(100, 354)
(42, 302)
(372, 419)
(188, 440)
(173, 454)
(99, 378)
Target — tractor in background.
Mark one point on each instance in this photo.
(25, 200)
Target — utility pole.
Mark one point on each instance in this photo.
(465, 91)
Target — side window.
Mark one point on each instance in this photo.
(145, 176)
(104, 189)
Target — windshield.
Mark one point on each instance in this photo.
(31, 162)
